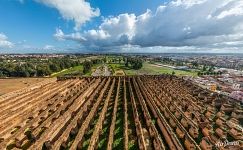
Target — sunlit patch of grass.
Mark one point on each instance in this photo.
(72, 70)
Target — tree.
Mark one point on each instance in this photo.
(211, 69)
(204, 68)
(119, 60)
(195, 64)
(105, 59)
(96, 61)
(21, 71)
(126, 62)
(135, 63)
(173, 73)
(54, 67)
(87, 66)
(43, 70)
(2, 74)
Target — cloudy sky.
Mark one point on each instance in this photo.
(211, 26)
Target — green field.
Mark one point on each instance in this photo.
(116, 67)
(151, 69)
(75, 71)
(71, 71)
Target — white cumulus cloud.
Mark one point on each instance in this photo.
(4, 43)
(78, 11)
(199, 24)
(59, 35)
(114, 31)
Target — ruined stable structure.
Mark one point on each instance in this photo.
(140, 112)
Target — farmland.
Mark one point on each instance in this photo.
(131, 112)
(12, 84)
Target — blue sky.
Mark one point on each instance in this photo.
(28, 26)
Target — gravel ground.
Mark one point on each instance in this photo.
(102, 71)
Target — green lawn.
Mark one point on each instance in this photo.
(151, 69)
(72, 70)
(116, 67)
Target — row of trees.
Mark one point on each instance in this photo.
(113, 60)
(87, 64)
(134, 63)
(36, 68)
(209, 73)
